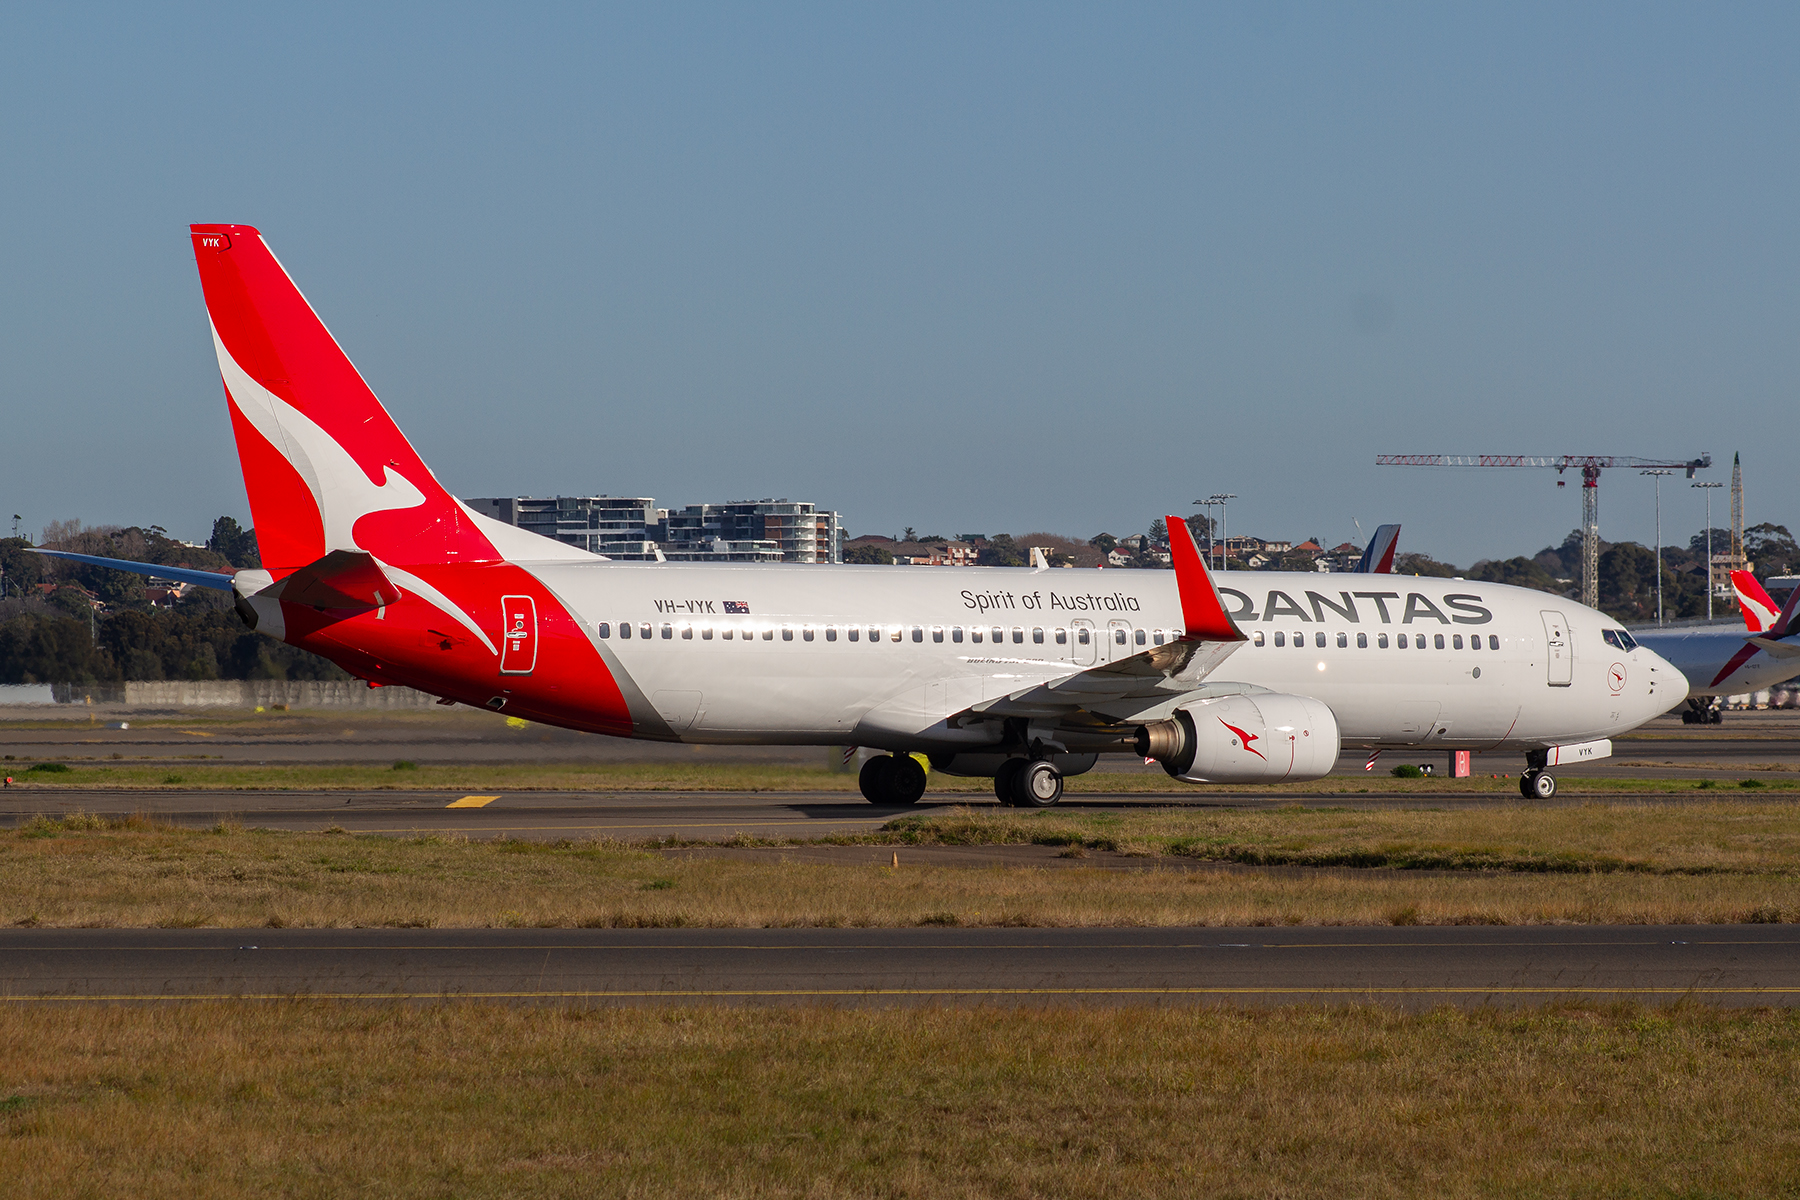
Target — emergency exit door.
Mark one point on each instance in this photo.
(1559, 649)
(519, 635)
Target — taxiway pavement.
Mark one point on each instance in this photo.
(1408, 967)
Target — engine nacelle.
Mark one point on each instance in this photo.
(1264, 737)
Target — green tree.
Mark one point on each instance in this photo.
(1518, 572)
(1001, 551)
(236, 545)
(1772, 549)
(873, 555)
(1423, 564)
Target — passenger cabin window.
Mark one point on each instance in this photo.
(1037, 636)
(956, 633)
(895, 636)
(625, 629)
(1081, 636)
(937, 633)
(1119, 636)
(1381, 641)
(687, 633)
(874, 634)
(831, 633)
(999, 635)
(1319, 639)
(604, 629)
(1062, 637)
(769, 634)
(668, 631)
(1437, 640)
(1140, 636)
(725, 632)
(1300, 639)
(1456, 642)
(975, 634)
(918, 633)
(1343, 641)
(644, 629)
(806, 633)
(1280, 638)
(1156, 637)
(1362, 641)
(1259, 637)
(1018, 636)
(1493, 642)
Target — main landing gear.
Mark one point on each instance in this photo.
(1703, 710)
(1028, 783)
(895, 779)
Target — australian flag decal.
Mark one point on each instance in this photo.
(738, 606)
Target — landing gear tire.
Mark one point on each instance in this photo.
(896, 779)
(1537, 785)
(1037, 785)
(1003, 781)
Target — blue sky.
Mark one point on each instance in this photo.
(960, 267)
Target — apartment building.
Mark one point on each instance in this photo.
(633, 528)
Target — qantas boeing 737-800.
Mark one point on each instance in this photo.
(1021, 674)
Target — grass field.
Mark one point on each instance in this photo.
(1587, 863)
(311, 1099)
(706, 776)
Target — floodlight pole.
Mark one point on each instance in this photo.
(1220, 499)
(1709, 562)
(1658, 473)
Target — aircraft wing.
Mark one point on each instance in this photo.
(205, 579)
(1149, 679)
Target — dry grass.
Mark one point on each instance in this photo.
(308, 1099)
(89, 872)
(1699, 837)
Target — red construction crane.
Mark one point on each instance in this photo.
(1590, 466)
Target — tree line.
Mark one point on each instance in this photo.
(52, 632)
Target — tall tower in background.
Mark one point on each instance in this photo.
(1733, 559)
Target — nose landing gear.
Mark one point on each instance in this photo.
(1537, 785)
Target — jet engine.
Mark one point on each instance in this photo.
(1262, 737)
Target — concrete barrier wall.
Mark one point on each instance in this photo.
(220, 693)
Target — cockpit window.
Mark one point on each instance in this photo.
(1629, 642)
(1619, 638)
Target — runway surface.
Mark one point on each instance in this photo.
(1407, 967)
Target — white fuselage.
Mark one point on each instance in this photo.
(882, 656)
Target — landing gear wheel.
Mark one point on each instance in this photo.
(1003, 781)
(892, 779)
(1537, 785)
(1037, 785)
(874, 779)
(906, 780)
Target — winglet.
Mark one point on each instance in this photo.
(1202, 608)
(1378, 559)
(1760, 613)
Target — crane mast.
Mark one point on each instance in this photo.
(1590, 466)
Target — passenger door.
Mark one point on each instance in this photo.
(1559, 649)
(1086, 642)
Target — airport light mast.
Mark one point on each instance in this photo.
(1590, 466)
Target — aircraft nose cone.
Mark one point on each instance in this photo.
(1670, 688)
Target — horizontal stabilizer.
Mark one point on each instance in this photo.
(342, 579)
(205, 579)
(1778, 649)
